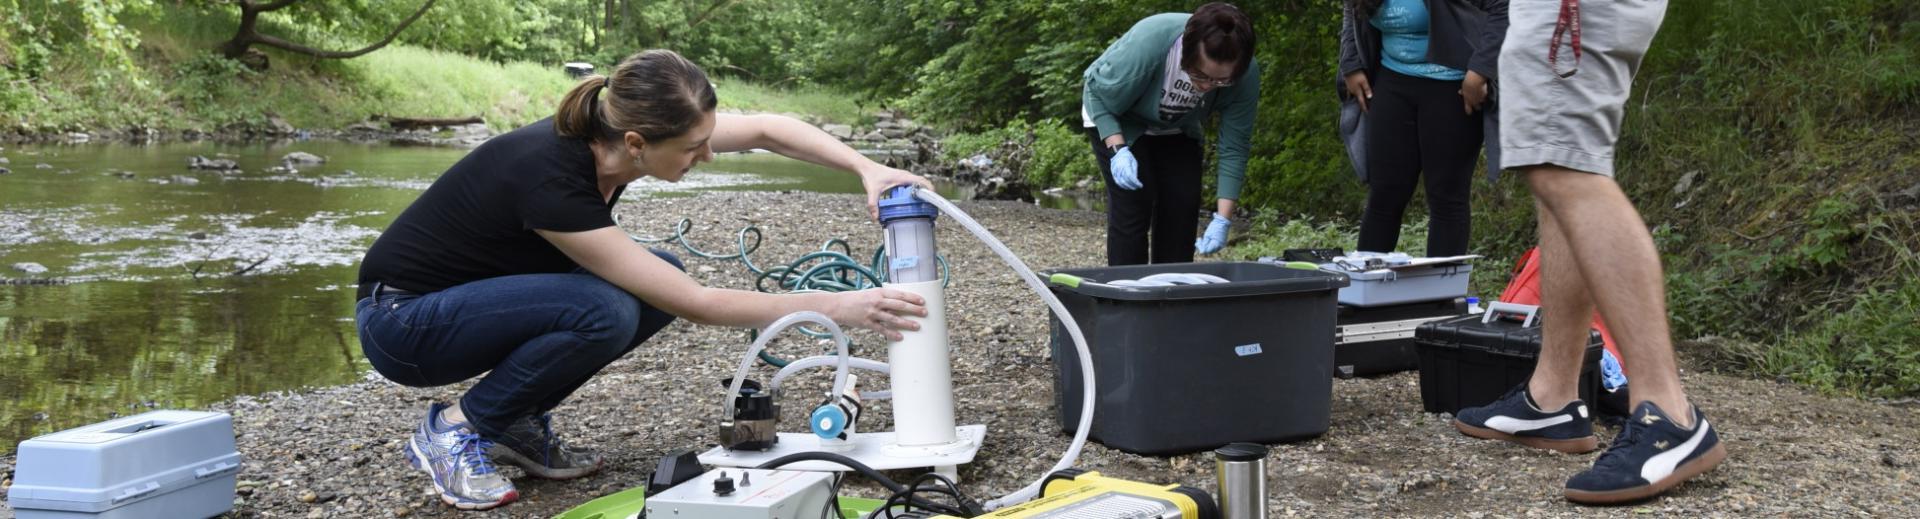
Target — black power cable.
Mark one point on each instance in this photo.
(902, 496)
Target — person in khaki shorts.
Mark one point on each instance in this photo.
(1565, 73)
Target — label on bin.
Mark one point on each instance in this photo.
(1247, 350)
(906, 262)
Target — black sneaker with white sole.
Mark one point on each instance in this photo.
(1651, 455)
(1514, 417)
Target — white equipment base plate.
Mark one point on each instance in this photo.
(874, 449)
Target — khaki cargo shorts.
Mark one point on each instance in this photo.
(1573, 121)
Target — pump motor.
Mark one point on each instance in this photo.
(755, 421)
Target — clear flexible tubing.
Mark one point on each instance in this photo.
(784, 322)
(1066, 320)
(829, 360)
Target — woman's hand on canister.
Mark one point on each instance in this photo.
(1358, 87)
(1473, 91)
(878, 179)
(883, 310)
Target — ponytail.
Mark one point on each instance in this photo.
(657, 94)
(575, 119)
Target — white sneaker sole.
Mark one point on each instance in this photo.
(1568, 446)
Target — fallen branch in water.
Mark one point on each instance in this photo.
(249, 268)
(416, 123)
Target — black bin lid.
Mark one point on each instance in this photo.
(1241, 452)
(1245, 278)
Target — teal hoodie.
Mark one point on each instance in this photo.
(1123, 89)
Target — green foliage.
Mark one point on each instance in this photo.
(58, 59)
(509, 30)
(1870, 345)
(822, 104)
(1729, 297)
(1273, 237)
(206, 83)
(194, 88)
(1830, 232)
(42, 34)
(1061, 156)
(1056, 155)
(973, 64)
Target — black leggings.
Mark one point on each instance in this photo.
(1415, 126)
(1167, 203)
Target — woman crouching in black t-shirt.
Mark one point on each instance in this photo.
(510, 264)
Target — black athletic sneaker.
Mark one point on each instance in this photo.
(1515, 418)
(530, 444)
(1651, 455)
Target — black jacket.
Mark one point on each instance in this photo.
(1464, 34)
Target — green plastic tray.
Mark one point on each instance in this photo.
(628, 503)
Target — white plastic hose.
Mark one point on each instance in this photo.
(753, 353)
(1066, 320)
(1169, 279)
(829, 360)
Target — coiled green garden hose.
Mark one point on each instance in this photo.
(824, 270)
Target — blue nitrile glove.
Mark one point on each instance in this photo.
(1215, 237)
(1610, 373)
(1126, 170)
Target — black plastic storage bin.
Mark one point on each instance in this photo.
(1189, 368)
(1465, 362)
(1379, 339)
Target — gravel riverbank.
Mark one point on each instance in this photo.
(335, 452)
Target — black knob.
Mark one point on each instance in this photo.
(722, 485)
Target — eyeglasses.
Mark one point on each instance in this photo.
(1203, 79)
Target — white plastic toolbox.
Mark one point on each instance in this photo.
(156, 464)
(1413, 281)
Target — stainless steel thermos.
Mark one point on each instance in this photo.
(1242, 470)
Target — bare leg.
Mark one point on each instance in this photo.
(1615, 255)
(1568, 309)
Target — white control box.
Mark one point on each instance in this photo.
(753, 494)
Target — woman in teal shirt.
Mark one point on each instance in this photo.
(1421, 70)
(1144, 101)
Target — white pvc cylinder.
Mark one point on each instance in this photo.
(922, 374)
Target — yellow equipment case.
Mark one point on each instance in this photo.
(1079, 494)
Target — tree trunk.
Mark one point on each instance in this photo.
(248, 35)
(606, 16)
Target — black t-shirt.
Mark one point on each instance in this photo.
(477, 220)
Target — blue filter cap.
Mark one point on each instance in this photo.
(828, 421)
(899, 203)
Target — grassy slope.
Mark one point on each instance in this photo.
(181, 85)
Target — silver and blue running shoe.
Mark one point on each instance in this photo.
(456, 457)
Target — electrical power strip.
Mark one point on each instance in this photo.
(745, 494)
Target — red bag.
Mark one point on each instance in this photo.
(1525, 289)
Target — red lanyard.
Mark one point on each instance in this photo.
(1569, 22)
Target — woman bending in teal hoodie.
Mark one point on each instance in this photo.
(1144, 102)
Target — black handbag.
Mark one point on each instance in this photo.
(1353, 134)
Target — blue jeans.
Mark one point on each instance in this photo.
(538, 337)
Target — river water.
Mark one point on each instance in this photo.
(166, 287)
